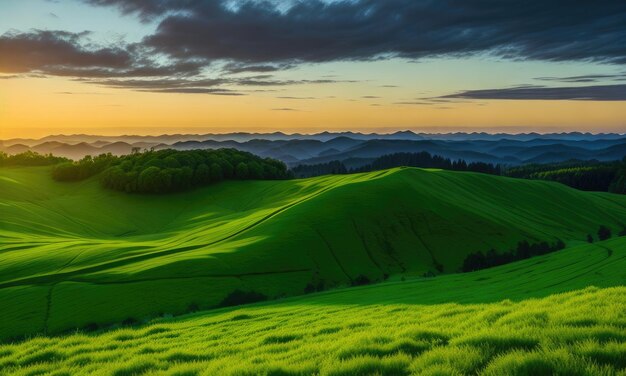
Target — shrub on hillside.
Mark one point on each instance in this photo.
(239, 297)
(479, 260)
(604, 233)
(361, 280)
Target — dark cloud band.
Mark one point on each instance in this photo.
(582, 93)
(317, 31)
(254, 36)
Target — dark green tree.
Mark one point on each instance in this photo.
(604, 233)
(202, 174)
(241, 171)
(216, 172)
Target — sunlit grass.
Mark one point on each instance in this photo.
(517, 319)
(576, 333)
(73, 255)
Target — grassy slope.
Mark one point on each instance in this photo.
(75, 254)
(537, 316)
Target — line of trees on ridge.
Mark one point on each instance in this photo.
(422, 159)
(29, 158)
(170, 170)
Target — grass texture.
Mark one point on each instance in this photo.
(74, 255)
(534, 317)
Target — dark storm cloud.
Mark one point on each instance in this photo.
(256, 32)
(146, 9)
(582, 93)
(255, 36)
(61, 53)
(41, 50)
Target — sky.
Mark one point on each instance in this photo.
(217, 66)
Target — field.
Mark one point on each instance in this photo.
(534, 317)
(74, 255)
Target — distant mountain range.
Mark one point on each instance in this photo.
(353, 149)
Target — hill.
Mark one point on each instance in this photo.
(76, 255)
(349, 148)
(534, 317)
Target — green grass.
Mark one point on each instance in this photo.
(534, 317)
(74, 254)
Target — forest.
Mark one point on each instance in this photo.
(421, 160)
(29, 158)
(584, 175)
(169, 170)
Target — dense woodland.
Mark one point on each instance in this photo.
(422, 159)
(329, 168)
(30, 158)
(169, 170)
(583, 175)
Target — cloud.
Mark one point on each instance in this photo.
(585, 78)
(582, 93)
(182, 85)
(42, 50)
(310, 31)
(191, 85)
(62, 53)
(285, 109)
(234, 68)
(195, 90)
(297, 98)
(194, 40)
(415, 103)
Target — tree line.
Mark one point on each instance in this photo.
(479, 260)
(583, 175)
(29, 158)
(170, 170)
(329, 168)
(421, 159)
(179, 170)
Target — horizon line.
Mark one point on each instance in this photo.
(324, 132)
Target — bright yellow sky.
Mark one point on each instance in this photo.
(35, 107)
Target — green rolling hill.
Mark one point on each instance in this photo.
(74, 254)
(533, 317)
